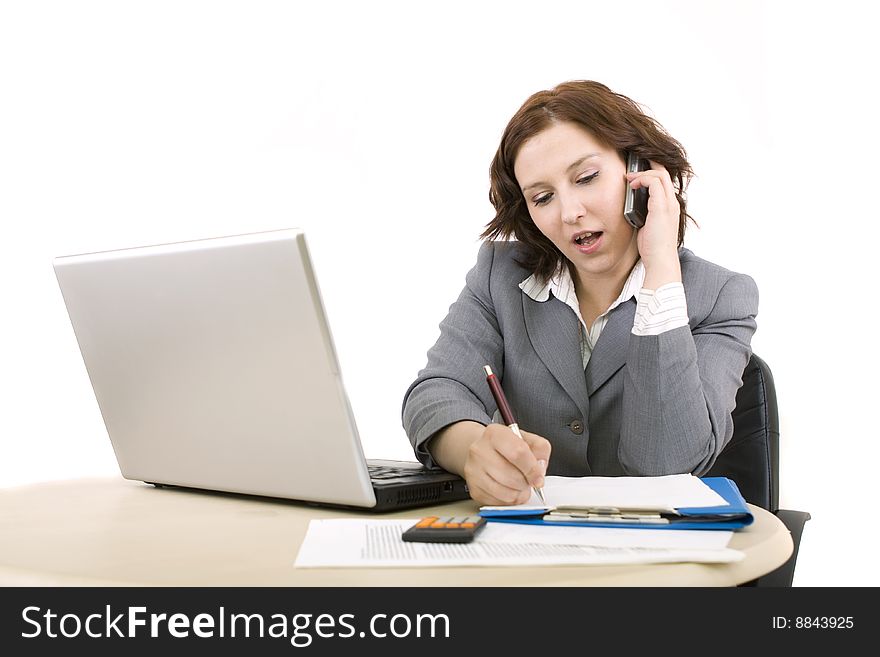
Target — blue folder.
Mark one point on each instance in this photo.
(733, 515)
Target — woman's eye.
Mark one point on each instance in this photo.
(585, 180)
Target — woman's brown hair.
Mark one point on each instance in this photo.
(615, 120)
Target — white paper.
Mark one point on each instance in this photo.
(354, 542)
(688, 539)
(658, 493)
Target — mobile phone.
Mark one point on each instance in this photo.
(635, 208)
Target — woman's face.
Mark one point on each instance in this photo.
(574, 189)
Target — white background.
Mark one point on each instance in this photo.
(372, 126)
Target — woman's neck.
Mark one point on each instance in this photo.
(598, 291)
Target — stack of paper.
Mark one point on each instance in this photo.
(522, 536)
(354, 542)
(674, 502)
(668, 492)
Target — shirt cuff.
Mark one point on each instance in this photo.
(660, 310)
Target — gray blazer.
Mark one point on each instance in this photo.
(646, 405)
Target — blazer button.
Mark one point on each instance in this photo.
(576, 426)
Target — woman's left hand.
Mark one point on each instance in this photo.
(658, 238)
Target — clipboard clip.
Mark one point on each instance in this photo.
(606, 514)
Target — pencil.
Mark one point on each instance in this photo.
(507, 415)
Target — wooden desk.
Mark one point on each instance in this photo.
(103, 532)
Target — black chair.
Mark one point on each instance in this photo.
(751, 459)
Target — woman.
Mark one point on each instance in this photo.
(620, 351)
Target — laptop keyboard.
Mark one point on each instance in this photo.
(406, 484)
(396, 472)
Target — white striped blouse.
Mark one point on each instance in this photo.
(657, 311)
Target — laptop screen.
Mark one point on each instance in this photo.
(214, 367)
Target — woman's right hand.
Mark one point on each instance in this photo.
(501, 468)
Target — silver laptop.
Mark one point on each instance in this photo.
(214, 368)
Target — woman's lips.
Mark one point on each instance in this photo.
(590, 244)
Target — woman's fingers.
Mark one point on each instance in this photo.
(486, 490)
(661, 226)
(502, 467)
(656, 174)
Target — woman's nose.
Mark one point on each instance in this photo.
(572, 208)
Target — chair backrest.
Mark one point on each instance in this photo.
(751, 458)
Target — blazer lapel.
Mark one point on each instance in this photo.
(609, 354)
(555, 336)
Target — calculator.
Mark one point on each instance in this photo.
(437, 529)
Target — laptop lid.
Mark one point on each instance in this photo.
(213, 367)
